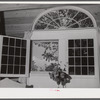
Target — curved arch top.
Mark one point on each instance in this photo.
(63, 18)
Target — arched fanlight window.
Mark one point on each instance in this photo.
(63, 18)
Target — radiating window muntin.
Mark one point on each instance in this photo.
(63, 19)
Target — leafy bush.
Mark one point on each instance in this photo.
(60, 76)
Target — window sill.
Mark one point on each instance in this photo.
(38, 73)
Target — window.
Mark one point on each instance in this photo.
(63, 18)
(13, 60)
(81, 57)
(44, 55)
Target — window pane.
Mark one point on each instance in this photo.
(45, 19)
(40, 25)
(16, 69)
(77, 52)
(86, 23)
(4, 59)
(71, 61)
(77, 70)
(10, 69)
(84, 61)
(53, 14)
(91, 71)
(17, 51)
(80, 16)
(51, 27)
(84, 70)
(11, 50)
(22, 70)
(48, 16)
(71, 13)
(71, 43)
(90, 52)
(23, 60)
(62, 13)
(5, 50)
(71, 70)
(77, 43)
(58, 22)
(90, 42)
(3, 69)
(77, 61)
(91, 60)
(84, 43)
(70, 22)
(12, 41)
(53, 24)
(11, 59)
(5, 41)
(71, 52)
(18, 42)
(23, 43)
(23, 52)
(84, 51)
(17, 60)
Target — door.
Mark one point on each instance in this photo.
(78, 50)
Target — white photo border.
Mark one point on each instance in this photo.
(30, 93)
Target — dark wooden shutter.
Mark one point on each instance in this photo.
(2, 24)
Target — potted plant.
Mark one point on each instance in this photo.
(60, 76)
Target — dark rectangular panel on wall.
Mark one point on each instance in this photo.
(2, 24)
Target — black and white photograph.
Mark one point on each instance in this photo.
(50, 45)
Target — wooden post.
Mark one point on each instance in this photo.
(2, 24)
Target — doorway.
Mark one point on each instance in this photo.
(78, 50)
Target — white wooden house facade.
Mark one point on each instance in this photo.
(76, 33)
